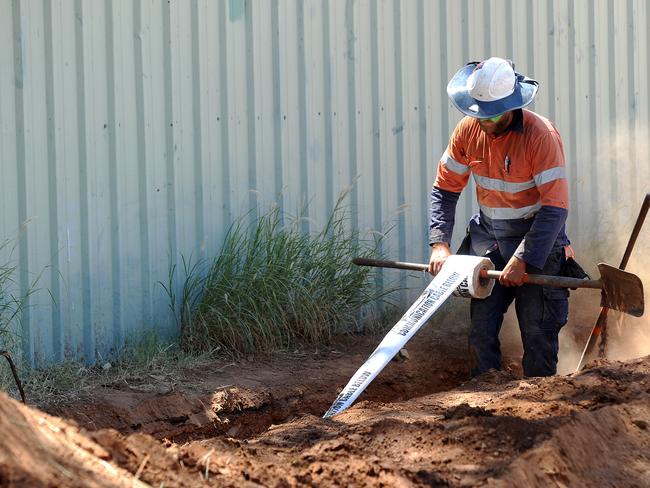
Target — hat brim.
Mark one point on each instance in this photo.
(524, 93)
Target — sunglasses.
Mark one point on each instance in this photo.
(495, 119)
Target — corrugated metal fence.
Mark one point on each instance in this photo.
(132, 132)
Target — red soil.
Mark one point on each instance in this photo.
(421, 423)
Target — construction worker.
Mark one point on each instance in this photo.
(516, 158)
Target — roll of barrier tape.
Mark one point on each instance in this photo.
(455, 270)
(474, 286)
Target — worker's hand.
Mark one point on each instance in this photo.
(513, 273)
(439, 253)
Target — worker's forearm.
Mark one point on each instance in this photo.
(442, 215)
(539, 240)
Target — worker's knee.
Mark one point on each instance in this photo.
(541, 317)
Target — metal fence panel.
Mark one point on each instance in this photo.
(133, 133)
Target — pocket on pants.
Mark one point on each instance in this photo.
(556, 308)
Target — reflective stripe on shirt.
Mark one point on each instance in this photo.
(510, 213)
(551, 174)
(501, 185)
(453, 165)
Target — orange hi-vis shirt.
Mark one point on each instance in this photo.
(515, 173)
(521, 187)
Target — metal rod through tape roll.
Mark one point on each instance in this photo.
(533, 279)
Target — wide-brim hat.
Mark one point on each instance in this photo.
(523, 92)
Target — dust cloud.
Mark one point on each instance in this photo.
(623, 182)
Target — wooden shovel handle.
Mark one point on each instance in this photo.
(635, 231)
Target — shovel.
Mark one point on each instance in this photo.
(620, 290)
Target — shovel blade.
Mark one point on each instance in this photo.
(622, 291)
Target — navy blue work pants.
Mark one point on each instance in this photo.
(541, 313)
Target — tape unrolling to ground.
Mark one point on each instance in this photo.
(456, 271)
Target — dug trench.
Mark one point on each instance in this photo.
(422, 422)
(242, 399)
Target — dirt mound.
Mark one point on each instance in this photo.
(608, 447)
(419, 424)
(37, 449)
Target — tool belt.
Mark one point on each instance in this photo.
(571, 269)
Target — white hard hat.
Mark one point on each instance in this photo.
(491, 80)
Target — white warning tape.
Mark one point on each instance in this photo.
(455, 270)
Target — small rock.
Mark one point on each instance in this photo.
(641, 424)
(107, 366)
(401, 356)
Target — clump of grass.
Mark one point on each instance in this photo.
(273, 287)
(11, 309)
(11, 305)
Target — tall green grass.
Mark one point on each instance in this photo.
(12, 305)
(273, 286)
